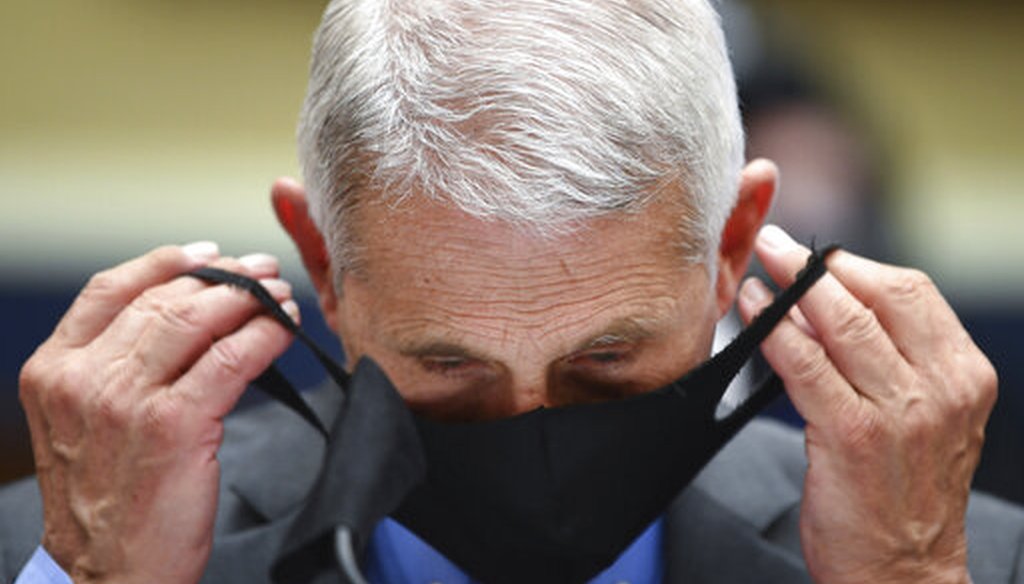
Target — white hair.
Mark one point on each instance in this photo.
(542, 113)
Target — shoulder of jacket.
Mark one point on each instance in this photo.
(759, 473)
(995, 540)
(21, 527)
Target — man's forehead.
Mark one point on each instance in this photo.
(428, 233)
(442, 281)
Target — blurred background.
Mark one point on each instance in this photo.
(128, 124)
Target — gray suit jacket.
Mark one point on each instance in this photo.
(736, 523)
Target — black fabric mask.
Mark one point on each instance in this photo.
(550, 496)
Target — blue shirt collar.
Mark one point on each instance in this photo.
(395, 555)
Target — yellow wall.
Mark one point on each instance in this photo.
(128, 123)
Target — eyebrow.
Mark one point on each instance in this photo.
(626, 330)
(436, 348)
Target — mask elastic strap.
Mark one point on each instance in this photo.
(271, 381)
(405, 468)
(715, 374)
(727, 363)
(735, 355)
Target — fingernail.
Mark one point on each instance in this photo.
(202, 250)
(259, 262)
(774, 236)
(754, 292)
(277, 287)
(291, 308)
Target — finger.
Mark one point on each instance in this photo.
(108, 292)
(801, 322)
(179, 330)
(850, 332)
(909, 306)
(171, 301)
(817, 389)
(222, 373)
(257, 266)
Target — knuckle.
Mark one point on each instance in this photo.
(988, 378)
(169, 255)
(809, 366)
(32, 377)
(211, 436)
(858, 431)
(103, 285)
(962, 401)
(184, 315)
(855, 324)
(228, 358)
(177, 314)
(986, 384)
(62, 389)
(162, 418)
(150, 300)
(171, 252)
(920, 420)
(109, 412)
(910, 284)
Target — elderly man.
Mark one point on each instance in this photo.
(513, 205)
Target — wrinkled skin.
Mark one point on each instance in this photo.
(125, 402)
(896, 396)
(479, 320)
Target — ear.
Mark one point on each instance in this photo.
(758, 185)
(289, 200)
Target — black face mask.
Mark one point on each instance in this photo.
(550, 496)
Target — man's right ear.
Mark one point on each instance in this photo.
(289, 200)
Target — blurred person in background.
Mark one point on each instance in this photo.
(832, 187)
(835, 187)
(525, 206)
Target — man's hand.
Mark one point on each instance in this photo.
(896, 396)
(125, 404)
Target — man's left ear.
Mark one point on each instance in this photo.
(292, 210)
(758, 185)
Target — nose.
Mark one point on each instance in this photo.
(542, 388)
(528, 397)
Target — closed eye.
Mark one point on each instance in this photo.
(603, 358)
(448, 365)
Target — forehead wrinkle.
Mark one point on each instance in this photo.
(553, 278)
(541, 310)
(415, 334)
(630, 329)
(425, 236)
(526, 293)
(425, 333)
(644, 321)
(489, 315)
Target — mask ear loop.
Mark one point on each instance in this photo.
(344, 549)
(271, 381)
(279, 388)
(737, 352)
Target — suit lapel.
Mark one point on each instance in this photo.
(275, 456)
(705, 542)
(270, 459)
(737, 521)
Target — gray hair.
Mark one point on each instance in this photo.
(542, 113)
